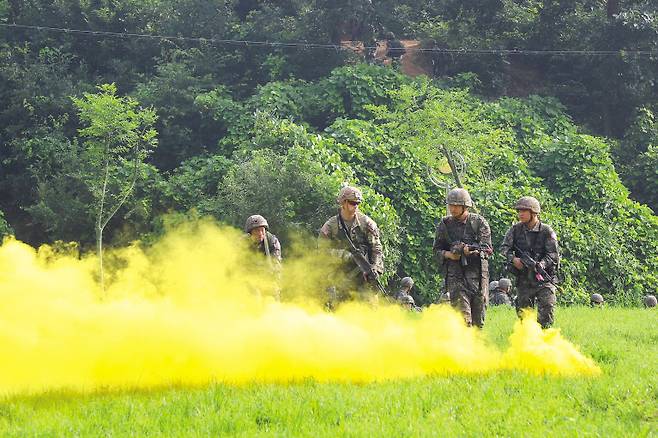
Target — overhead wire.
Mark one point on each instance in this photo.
(324, 46)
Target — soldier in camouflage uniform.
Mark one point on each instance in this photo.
(535, 239)
(261, 239)
(402, 296)
(364, 234)
(500, 294)
(466, 270)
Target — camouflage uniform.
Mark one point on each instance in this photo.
(541, 243)
(273, 245)
(273, 248)
(272, 251)
(406, 300)
(364, 234)
(499, 298)
(467, 285)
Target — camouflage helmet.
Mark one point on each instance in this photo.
(255, 221)
(349, 193)
(528, 203)
(650, 301)
(596, 299)
(407, 282)
(459, 196)
(493, 285)
(504, 283)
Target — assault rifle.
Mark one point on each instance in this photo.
(362, 262)
(366, 268)
(458, 248)
(533, 266)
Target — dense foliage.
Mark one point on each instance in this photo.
(244, 129)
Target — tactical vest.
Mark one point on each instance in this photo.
(470, 235)
(269, 237)
(358, 234)
(534, 243)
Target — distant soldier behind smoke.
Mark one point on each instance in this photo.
(261, 241)
(531, 250)
(403, 296)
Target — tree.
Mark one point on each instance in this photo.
(116, 141)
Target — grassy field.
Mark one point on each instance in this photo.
(623, 401)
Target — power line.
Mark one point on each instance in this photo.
(336, 47)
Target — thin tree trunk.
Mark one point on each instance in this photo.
(99, 249)
(100, 226)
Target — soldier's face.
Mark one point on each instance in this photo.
(350, 207)
(456, 211)
(258, 234)
(524, 216)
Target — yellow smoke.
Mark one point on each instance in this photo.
(194, 308)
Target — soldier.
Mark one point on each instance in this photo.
(408, 302)
(462, 244)
(406, 284)
(499, 295)
(596, 300)
(505, 286)
(531, 250)
(352, 231)
(262, 240)
(493, 285)
(650, 301)
(403, 296)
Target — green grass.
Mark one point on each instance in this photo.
(623, 401)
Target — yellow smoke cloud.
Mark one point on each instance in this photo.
(194, 308)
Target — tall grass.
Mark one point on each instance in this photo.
(623, 401)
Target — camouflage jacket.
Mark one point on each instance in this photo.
(498, 297)
(273, 245)
(364, 234)
(474, 230)
(540, 242)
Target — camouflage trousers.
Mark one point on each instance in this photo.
(543, 295)
(467, 297)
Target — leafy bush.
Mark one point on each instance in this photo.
(5, 229)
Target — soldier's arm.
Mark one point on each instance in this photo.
(552, 251)
(376, 249)
(276, 249)
(507, 248)
(484, 239)
(325, 231)
(440, 242)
